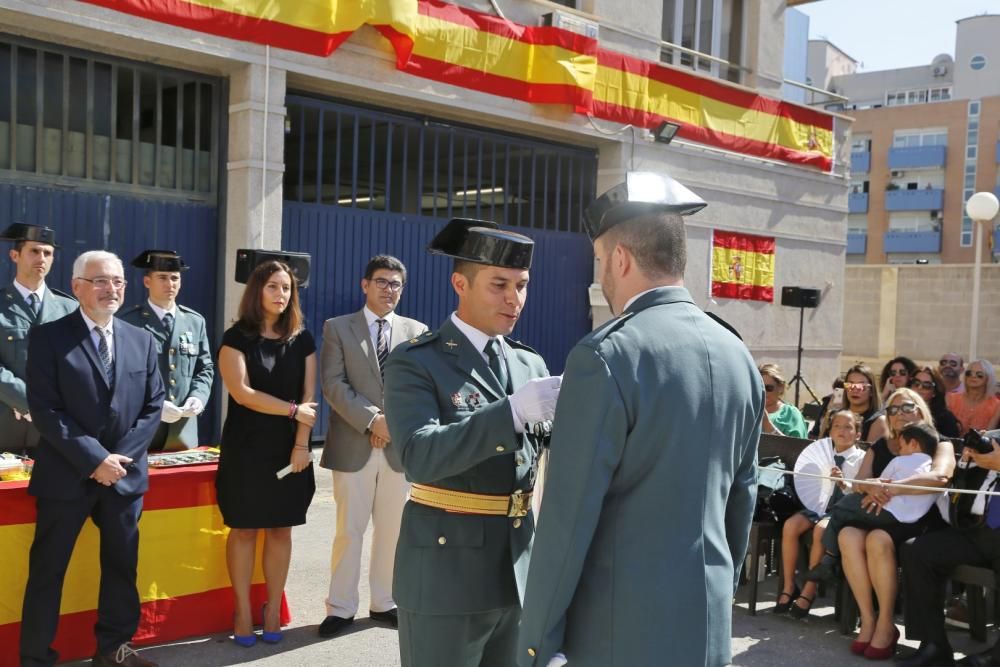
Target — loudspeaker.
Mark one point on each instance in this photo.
(247, 259)
(800, 297)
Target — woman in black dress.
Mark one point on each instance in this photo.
(268, 363)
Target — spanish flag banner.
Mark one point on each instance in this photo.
(182, 578)
(544, 65)
(742, 266)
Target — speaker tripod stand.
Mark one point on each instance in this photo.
(797, 379)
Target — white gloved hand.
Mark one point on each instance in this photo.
(171, 413)
(535, 401)
(22, 415)
(193, 407)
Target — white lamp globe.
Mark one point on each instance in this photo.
(982, 206)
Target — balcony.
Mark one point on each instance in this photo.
(928, 199)
(917, 157)
(857, 243)
(912, 242)
(857, 202)
(862, 162)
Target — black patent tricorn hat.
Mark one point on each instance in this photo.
(642, 192)
(20, 231)
(483, 242)
(160, 260)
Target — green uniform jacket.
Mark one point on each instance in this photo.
(185, 361)
(649, 495)
(452, 426)
(16, 319)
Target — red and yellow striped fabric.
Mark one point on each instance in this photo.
(182, 578)
(478, 51)
(742, 266)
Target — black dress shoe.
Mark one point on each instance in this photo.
(331, 625)
(984, 659)
(826, 570)
(388, 617)
(928, 655)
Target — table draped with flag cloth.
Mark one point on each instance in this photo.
(182, 579)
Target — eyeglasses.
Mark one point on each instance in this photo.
(391, 285)
(857, 386)
(954, 363)
(924, 384)
(978, 374)
(104, 283)
(905, 408)
(770, 388)
(900, 372)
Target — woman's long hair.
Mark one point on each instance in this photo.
(250, 317)
(937, 405)
(909, 395)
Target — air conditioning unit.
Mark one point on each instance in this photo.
(940, 70)
(571, 22)
(937, 215)
(897, 174)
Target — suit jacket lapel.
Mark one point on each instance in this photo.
(117, 355)
(398, 333)
(519, 371)
(19, 306)
(469, 359)
(87, 343)
(359, 325)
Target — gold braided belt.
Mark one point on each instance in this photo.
(463, 502)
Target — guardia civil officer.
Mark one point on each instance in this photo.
(461, 404)
(184, 356)
(651, 488)
(27, 301)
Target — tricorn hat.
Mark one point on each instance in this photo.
(483, 242)
(160, 260)
(642, 192)
(20, 231)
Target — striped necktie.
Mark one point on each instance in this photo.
(35, 304)
(104, 352)
(382, 346)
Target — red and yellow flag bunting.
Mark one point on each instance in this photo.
(742, 266)
(546, 65)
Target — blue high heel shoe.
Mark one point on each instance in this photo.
(265, 636)
(246, 641)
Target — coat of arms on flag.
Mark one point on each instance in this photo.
(742, 266)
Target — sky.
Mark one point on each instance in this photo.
(887, 34)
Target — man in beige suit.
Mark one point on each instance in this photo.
(368, 481)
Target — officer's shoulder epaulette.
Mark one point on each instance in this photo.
(518, 345)
(129, 311)
(61, 293)
(189, 311)
(419, 341)
(596, 336)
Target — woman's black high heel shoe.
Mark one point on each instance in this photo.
(801, 612)
(784, 607)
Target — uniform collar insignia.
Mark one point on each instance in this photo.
(451, 344)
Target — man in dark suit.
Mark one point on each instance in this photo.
(95, 393)
(368, 481)
(461, 404)
(25, 303)
(647, 507)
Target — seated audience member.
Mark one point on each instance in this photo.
(951, 366)
(917, 444)
(845, 429)
(928, 383)
(868, 556)
(780, 418)
(928, 563)
(824, 407)
(976, 407)
(861, 398)
(896, 374)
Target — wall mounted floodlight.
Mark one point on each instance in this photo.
(665, 132)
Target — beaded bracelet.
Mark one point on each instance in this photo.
(293, 409)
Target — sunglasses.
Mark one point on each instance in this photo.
(857, 386)
(917, 384)
(978, 374)
(905, 408)
(902, 372)
(770, 388)
(954, 363)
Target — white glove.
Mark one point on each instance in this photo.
(558, 660)
(171, 413)
(535, 401)
(193, 407)
(22, 415)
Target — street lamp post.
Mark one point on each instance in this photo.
(982, 207)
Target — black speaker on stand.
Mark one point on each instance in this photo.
(801, 298)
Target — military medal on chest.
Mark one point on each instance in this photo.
(474, 400)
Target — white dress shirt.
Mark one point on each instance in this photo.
(24, 291)
(95, 337)
(372, 320)
(160, 312)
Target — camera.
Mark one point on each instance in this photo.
(978, 442)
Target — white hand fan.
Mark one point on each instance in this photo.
(816, 459)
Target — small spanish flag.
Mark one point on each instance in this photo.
(742, 266)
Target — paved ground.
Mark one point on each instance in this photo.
(758, 641)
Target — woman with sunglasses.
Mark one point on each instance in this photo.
(861, 398)
(928, 383)
(976, 406)
(780, 418)
(896, 374)
(868, 557)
